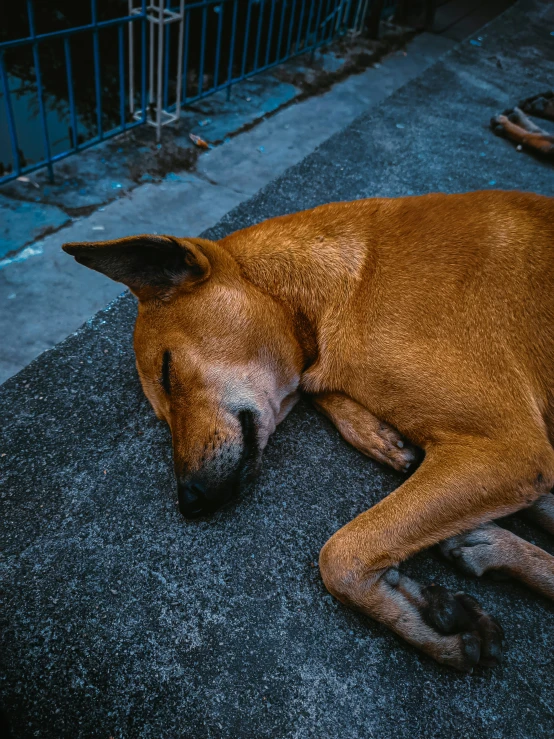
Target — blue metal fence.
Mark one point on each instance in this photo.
(35, 41)
(212, 44)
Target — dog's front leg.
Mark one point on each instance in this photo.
(460, 485)
(368, 434)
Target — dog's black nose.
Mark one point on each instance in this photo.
(192, 498)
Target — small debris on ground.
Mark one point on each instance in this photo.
(29, 181)
(198, 141)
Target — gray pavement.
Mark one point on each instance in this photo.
(120, 619)
(44, 296)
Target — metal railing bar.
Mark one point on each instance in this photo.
(316, 29)
(151, 66)
(11, 121)
(291, 25)
(270, 31)
(206, 3)
(159, 86)
(70, 92)
(166, 60)
(298, 35)
(38, 77)
(179, 80)
(131, 63)
(97, 81)
(121, 77)
(327, 17)
(307, 36)
(143, 64)
(186, 55)
(246, 37)
(259, 33)
(232, 48)
(218, 43)
(202, 50)
(39, 38)
(330, 19)
(346, 15)
(281, 26)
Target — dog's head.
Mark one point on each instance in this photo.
(217, 358)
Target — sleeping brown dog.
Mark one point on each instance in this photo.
(421, 322)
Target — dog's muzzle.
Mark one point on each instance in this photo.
(197, 497)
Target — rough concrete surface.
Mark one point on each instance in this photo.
(44, 297)
(121, 619)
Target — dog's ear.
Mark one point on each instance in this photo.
(150, 266)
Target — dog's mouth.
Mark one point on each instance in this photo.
(250, 457)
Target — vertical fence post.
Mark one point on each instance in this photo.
(232, 49)
(144, 116)
(156, 88)
(70, 92)
(42, 107)
(97, 78)
(131, 63)
(159, 85)
(179, 81)
(11, 122)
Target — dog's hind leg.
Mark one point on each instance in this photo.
(491, 548)
(462, 483)
(368, 434)
(541, 512)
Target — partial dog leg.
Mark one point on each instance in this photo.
(459, 485)
(518, 117)
(517, 127)
(370, 436)
(492, 548)
(541, 106)
(541, 513)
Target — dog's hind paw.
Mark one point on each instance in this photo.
(481, 636)
(477, 552)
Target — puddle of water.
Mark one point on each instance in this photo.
(29, 133)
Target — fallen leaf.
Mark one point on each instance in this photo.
(198, 141)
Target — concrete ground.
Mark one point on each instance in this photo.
(122, 620)
(44, 296)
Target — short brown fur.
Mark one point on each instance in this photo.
(424, 321)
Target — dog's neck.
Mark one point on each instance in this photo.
(312, 266)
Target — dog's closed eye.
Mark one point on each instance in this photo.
(166, 367)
